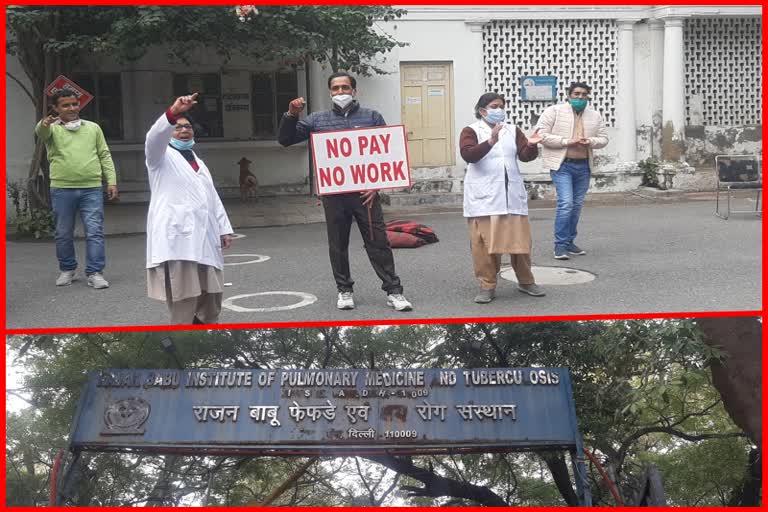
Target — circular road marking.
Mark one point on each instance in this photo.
(306, 300)
(553, 275)
(260, 258)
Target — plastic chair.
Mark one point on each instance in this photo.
(736, 172)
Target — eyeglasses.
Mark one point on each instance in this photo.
(180, 127)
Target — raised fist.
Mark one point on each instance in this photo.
(183, 104)
(296, 106)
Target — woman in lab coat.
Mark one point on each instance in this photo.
(495, 200)
(187, 226)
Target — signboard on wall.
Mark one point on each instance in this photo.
(538, 88)
(327, 410)
(236, 102)
(360, 159)
(63, 83)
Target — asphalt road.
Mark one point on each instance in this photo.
(647, 259)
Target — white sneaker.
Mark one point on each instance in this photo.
(345, 301)
(397, 301)
(97, 281)
(65, 278)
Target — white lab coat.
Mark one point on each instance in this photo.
(186, 218)
(484, 190)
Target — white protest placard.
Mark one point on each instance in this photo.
(361, 159)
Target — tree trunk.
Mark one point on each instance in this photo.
(559, 468)
(738, 377)
(161, 492)
(748, 494)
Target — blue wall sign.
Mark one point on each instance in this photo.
(538, 88)
(327, 411)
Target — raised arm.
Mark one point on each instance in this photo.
(159, 135)
(292, 130)
(43, 127)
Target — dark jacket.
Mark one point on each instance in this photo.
(293, 131)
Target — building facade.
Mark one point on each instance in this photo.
(678, 84)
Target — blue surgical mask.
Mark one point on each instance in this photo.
(495, 115)
(182, 145)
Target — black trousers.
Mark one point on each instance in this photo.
(340, 210)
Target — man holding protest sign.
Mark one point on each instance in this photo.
(79, 158)
(340, 205)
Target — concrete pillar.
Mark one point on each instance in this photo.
(625, 97)
(655, 83)
(673, 100)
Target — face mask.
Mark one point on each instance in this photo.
(342, 100)
(73, 126)
(495, 115)
(182, 145)
(578, 104)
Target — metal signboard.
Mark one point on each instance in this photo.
(62, 82)
(327, 411)
(538, 88)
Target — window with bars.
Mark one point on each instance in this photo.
(207, 114)
(270, 94)
(106, 108)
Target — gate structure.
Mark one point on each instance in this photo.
(328, 412)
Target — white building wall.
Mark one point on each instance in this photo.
(147, 90)
(434, 33)
(19, 123)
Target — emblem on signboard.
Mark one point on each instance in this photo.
(125, 416)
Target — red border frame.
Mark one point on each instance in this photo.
(391, 321)
(314, 160)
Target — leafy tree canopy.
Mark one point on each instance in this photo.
(643, 391)
(345, 37)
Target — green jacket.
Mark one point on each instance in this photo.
(79, 158)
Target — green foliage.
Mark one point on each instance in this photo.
(344, 36)
(650, 168)
(683, 465)
(36, 222)
(642, 390)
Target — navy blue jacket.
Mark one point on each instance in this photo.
(293, 131)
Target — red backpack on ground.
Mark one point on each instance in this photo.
(409, 234)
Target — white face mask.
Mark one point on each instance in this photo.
(73, 126)
(342, 100)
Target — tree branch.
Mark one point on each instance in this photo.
(438, 486)
(491, 339)
(677, 433)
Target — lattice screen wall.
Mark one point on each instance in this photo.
(722, 64)
(571, 50)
